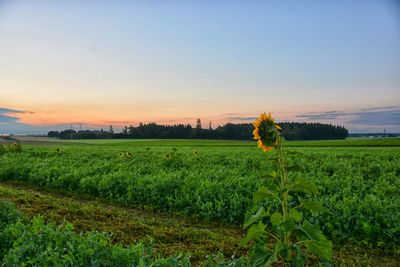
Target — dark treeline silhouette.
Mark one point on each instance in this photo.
(82, 134)
(229, 131)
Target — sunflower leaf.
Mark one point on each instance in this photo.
(254, 232)
(263, 193)
(261, 213)
(322, 247)
(276, 218)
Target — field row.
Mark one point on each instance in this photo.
(350, 142)
(167, 235)
(358, 187)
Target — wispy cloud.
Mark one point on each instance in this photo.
(242, 118)
(8, 110)
(380, 108)
(8, 119)
(378, 117)
(362, 120)
(8, 115)
(383, 117)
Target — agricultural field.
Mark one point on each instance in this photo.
(182, 202)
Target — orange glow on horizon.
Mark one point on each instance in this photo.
(102, 118)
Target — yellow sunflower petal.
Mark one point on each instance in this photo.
(264, 116)
(260, 144)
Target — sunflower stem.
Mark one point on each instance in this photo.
(283, 185)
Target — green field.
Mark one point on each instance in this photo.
(350, 142)
(191, 196)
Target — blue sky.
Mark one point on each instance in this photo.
(113, 62)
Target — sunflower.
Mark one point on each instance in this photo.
(266, 132)
(167, 156)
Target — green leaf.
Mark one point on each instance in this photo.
(256, 217)
(322, 247)
(254, 232)
(278, 247)
(260, 253)
(263, 193)
(288, 225)
(276, 218)
(299, 259)
(312, 205)
(312, 231)
(293, 168)
(272, 174)
(303, 185)
(295, 215)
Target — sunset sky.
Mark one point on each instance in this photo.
(98, 63)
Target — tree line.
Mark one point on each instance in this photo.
(229, 131)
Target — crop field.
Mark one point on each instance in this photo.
(350, 142)
(182, 202)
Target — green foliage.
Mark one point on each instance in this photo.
(358, 187)
(10, 148)
(285, 235)
(8, 215)
(39, 244)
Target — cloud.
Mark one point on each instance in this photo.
(7, 115)
(384, 117)
(328, 115)
(371, 118)
(8, 119)
(363, 120)
(10, 122)
(8, 110)
(380, 108)
(242, 118)
(115, 122)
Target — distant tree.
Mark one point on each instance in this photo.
(111, 130)
(290, 131)
(198, 124)
(53, 134)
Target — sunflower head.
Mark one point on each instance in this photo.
(167, 156)
(266, 132)
(121, 154)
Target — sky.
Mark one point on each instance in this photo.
(96, 63)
